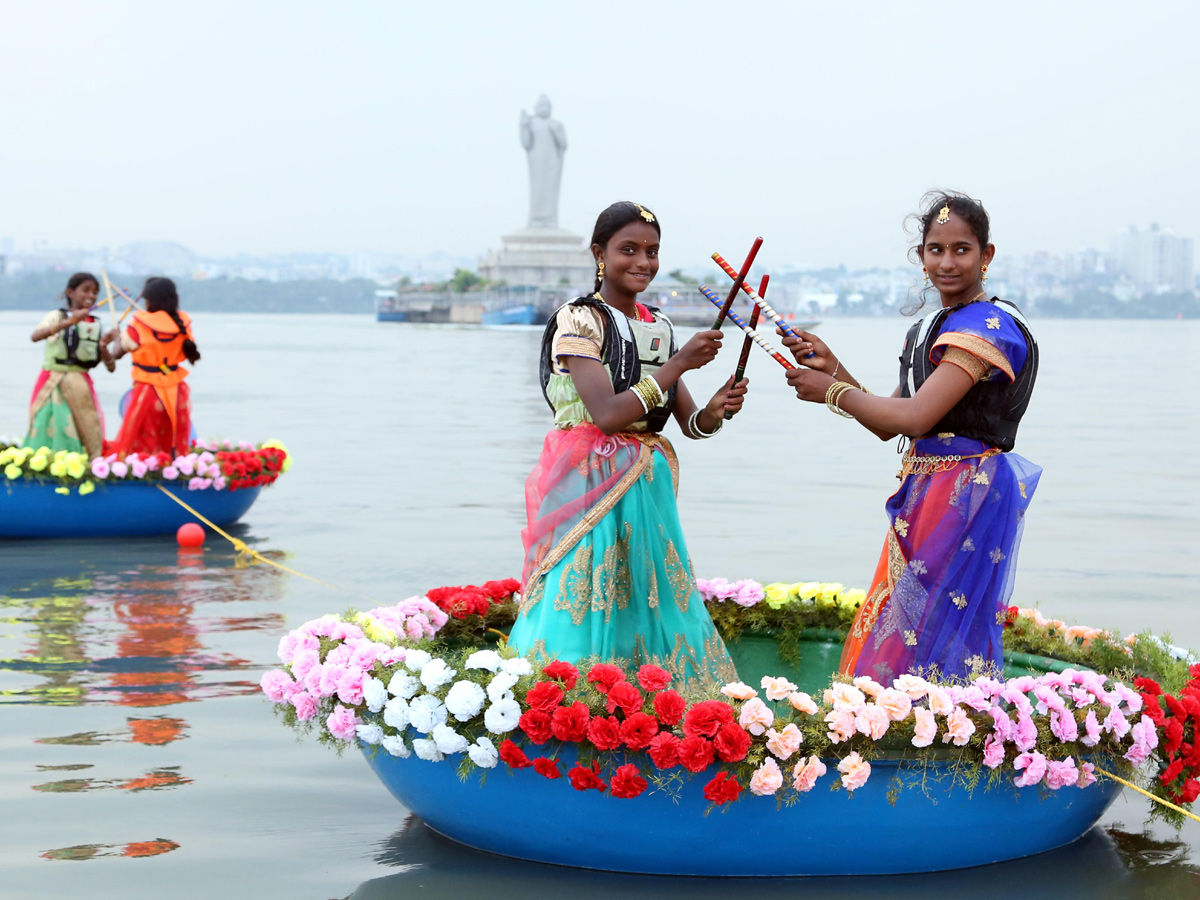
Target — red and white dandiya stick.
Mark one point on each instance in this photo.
(739, 281)
(748, 342)
(766, 307)
(749, 332)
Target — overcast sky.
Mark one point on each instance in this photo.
(392, 127)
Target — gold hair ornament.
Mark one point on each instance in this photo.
(944, 213)
(646, 214)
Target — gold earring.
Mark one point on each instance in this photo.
(983, 274)
(600, 272)
(925, 272)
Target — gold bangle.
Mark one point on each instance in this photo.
(833, 395)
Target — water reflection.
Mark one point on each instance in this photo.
(1104, 863)
(167, 777)
(132, 850)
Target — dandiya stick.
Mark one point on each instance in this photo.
(128, 299)
(739, 281)
(748, 342)
(766, 307)
(750, 332)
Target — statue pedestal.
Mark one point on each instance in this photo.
(541, 257)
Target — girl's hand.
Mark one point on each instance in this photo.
(822, 359)
(728, 399)
(75, 316)
(810, 386)
(700, 350)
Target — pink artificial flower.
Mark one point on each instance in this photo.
(868, 685)
(119, 469)
(196, 484)
(777, 689)
(342, 723)
(855, 771)
(1091, 729)
(913, 685)
(704, 586)
(926, 727)
(749, 593)
(1002, 725)
(278, 685)
(1025, 736)
(1061, 774)
(1047, 698)
(843, 724)
(219, 483)
(138, 468)
(1145, 739)
(786, 742)
(170, 473)
(1116, 724)
(100, 467)
(993, 751)
(186, 464)
(152, 463)
(990, 687)
(392, 656)
(303, 660)
(1087, 775)
(802, 702)
(895, 703)
(872, 720)
(1033, 765)
(331, 677)
(305, 704)
(845, 696)
(767, 778)
(1133, 700)
(1063, 725)
(806, 774)
(959, 728)
(940, 703)
(974, 697)
(350, 686)
(756, 717)
(205, 458)
(739, 691)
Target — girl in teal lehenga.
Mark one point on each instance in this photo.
(607, 572)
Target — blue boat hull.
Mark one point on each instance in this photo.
(394, 315)
(32, 510)
(521, 814)
(525, 314)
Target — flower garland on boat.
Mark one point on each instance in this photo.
(206, 466)
(378, 678)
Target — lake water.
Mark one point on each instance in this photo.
(139, 760)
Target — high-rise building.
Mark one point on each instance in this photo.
(1154, 258)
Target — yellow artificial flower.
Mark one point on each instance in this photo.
(58, 468)
(852, 599)
(374, 630)
(778, 595)
(62, 490)
(7, 455)
(23, 454)
(59, 454)
(86, 488)
(76, 467)
(807, 590)
(12, 472)
(39, 462)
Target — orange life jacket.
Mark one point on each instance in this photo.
(160, 348)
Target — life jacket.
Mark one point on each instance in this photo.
(160, 348)
(628, 353)
(78, 346)
(991, 410)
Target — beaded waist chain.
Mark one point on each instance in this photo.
(929, 465)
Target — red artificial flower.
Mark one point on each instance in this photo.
(706, 717)
(1010, 616)
(563, 672)
(1191, 790)
(604, 676)
(440, 595)
(605, 734)
(501, 590)
(695, 753)
(514, 756)
(536, 724)
(1147, 686)
(1175, 706)
(466, 602)
(545, 695)
(669, 707)
(546, 767)
(653, 678)
(1174, 735)
(586, 779)
(570, 723)
(626, 696)
(626, 782)
(732, 742)
(664, 750)
(638, 730)
(1194, 670)
(1172, 772)
(1154, 710)
(722, 789)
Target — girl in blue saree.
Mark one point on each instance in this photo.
(938, 600)
(607, 572)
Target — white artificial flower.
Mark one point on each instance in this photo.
(395, 713)
(502, 716)
(426, 712)
(517, 666)
(427, 749)
(484, 659)
(448, 740)
(500, 687)
(436, 673)
(404, 685)
(394, 744)
(483, 753)
(374, 693)
(465, 700)
(415, 659)
(369, 733)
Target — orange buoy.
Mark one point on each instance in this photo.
(190, 535)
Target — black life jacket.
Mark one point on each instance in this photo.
(619, 354)
(991, 410)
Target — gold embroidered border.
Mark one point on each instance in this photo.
(968, 362)
(976, 346)
(574, 345)
(597, 512)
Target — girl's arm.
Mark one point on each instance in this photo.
(613, 412)
(60, 323)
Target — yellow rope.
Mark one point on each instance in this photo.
(241, 547)
(1166, 803)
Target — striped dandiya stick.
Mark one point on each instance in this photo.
(766, 307)
(739, 280)
(750, 332)
(740, 371)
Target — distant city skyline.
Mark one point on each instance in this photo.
(391, 128)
